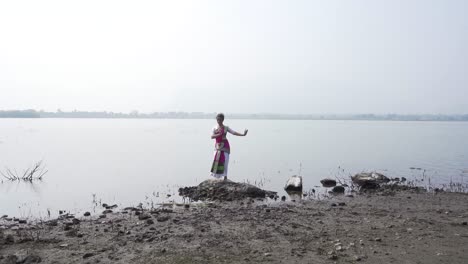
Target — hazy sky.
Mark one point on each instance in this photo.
(379, 56)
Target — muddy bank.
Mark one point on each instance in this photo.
(402, 226)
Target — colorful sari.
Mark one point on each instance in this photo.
(221, 156)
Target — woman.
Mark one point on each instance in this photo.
(222, 149)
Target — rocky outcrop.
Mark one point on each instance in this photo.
(219, 190)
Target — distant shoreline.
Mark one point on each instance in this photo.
(200, 115)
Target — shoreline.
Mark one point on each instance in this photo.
(403, 226)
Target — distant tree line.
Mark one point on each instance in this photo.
(19, 114)
(30, 113)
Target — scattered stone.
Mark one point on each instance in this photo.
(87, 214)
(22, 221)
(52, 223)
(88, 255)
(186, 206)
(338, 189)
(283, 198)
(162, 218)
(9, 239)
(341, 203)
(71, 233)
(105, 205)
(149, 222)
(357, 258)
(267, 254)
(107, 211)
(144, 217)
(10, 259)
(328, 183)
(31, 259)
(103, 216)
(378, 239)
(4, 216)
(63, 245)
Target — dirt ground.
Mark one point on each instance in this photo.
(405, 226)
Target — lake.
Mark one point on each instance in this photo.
(128, 161)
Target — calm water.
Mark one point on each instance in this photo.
(132, 161)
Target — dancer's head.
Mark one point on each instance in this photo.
(220, 118)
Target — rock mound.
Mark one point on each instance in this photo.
(218, 190)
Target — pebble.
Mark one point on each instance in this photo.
(465, 223)
(149, 222)
(31, 259)
(9, 239)
(88, 255)
(144, 217)
(87, 214)
(162, 218)
(378, 239)
(52, 223)
(103, 216)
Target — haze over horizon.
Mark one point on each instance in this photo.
(291, 57)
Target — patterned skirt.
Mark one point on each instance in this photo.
(220, 164)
